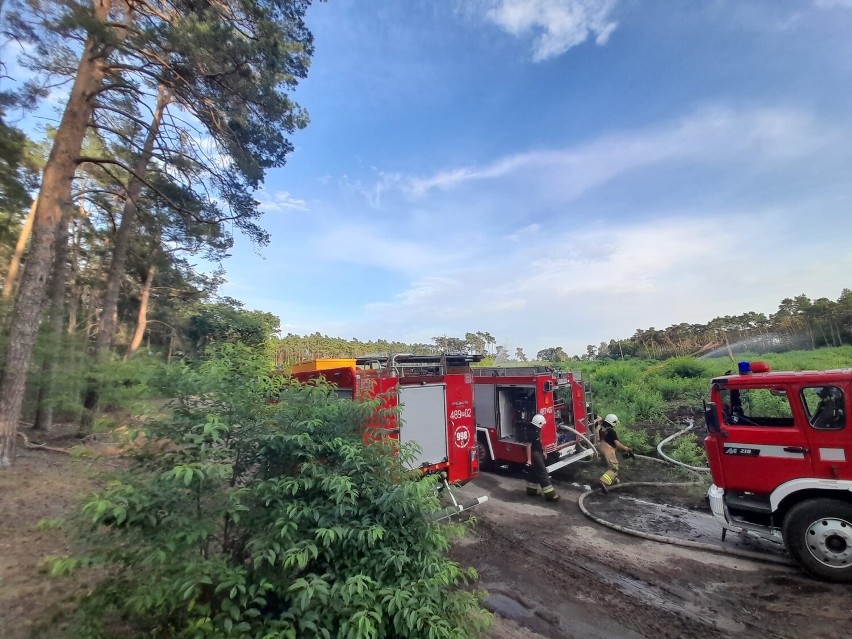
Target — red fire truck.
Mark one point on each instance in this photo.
(779, 446)
(505, 400)
(434, 398)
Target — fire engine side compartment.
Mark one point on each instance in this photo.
(424, 414)
(459, 458)
(503, 409)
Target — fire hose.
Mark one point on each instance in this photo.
(695, 470)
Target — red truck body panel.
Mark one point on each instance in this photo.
(773, 437)
(507, 398)
(434, 410)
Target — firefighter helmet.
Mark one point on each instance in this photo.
(538, 421)
(611, 419)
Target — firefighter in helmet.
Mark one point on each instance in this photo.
(608, 444)
(537, 475)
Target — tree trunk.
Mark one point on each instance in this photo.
(54, 193)
(74, 268)
(142, 318)
(123, 237)
(43, 420)
(15, 264)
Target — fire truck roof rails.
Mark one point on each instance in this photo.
(451, 359)
(514, 371)
(405, 364)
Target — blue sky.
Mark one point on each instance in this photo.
(559, 172)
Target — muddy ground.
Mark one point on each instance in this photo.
(553, 572)
(549, 570)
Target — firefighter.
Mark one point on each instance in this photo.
(608, 444)
(539, 479)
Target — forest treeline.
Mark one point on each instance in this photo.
(799, 323)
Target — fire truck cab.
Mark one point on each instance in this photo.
(779, 445)
(506, 399)
(433, 398)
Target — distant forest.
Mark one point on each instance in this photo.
(799, 323)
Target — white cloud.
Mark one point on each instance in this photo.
(557, 25)
(678, 268)
(712, 134)
(830, 4)
(279, 202)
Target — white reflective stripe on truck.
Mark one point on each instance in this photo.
(832, 454)
(761, 450)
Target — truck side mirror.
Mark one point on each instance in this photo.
(548, 387)
(711, 417)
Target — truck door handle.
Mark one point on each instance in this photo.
(795, 449)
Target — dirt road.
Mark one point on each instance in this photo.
(552, 572)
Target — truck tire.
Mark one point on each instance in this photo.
(818, 534)
(485, 461)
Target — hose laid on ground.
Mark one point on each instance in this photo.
(734, 552)
(674, 461)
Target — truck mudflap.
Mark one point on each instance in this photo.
(569, 457)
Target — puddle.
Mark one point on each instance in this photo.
(647, 516)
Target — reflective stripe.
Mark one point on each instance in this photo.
(832, 454)
(763, 450)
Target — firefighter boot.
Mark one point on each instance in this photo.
(550, 494)
(532, 489)
(607, 480)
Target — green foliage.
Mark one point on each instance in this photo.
(123, 384)
(258, 511)
(636, 439)
(18, 170)
(686, 367)
(689, 450)
(227, 322)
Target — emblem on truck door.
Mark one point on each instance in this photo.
(462, 436)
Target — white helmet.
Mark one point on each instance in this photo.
(538, 421)
(612, 419)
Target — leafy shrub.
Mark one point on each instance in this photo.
(672, 389)
(687, 367)
(689, 450)
(637, 440)
(249, 518)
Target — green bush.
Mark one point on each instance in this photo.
(637, 440)
(688, 450)
(243, 517)
(687, 367)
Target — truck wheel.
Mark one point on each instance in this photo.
(485, 461)
(818, 534)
